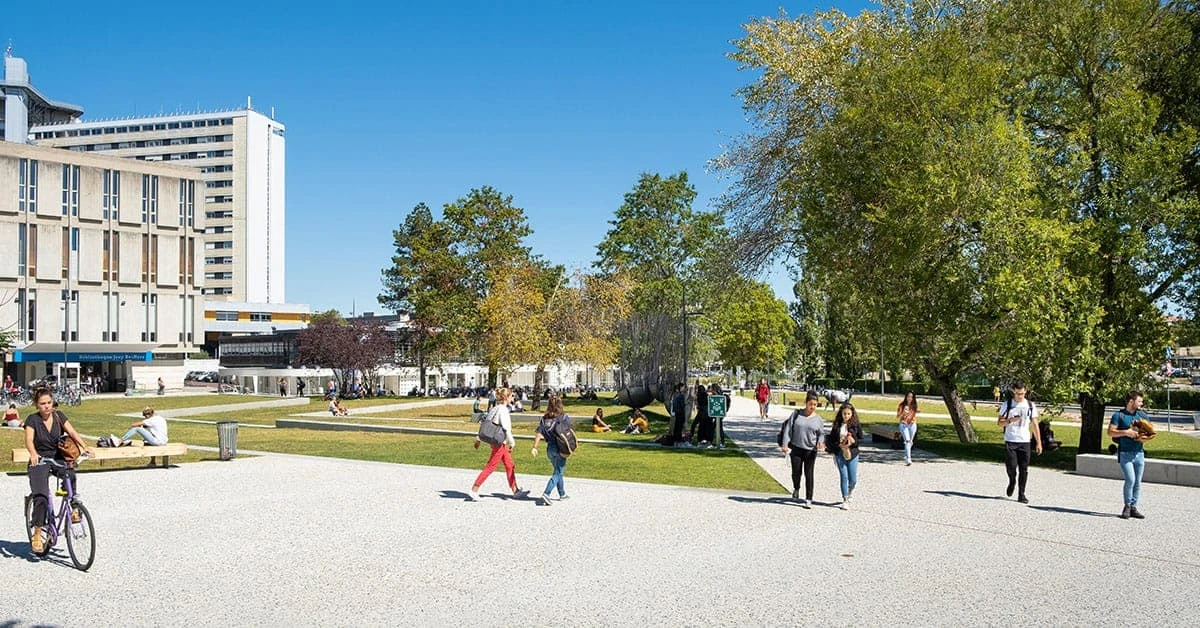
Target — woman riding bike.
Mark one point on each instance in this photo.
(43, 432)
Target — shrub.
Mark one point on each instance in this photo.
(1180, 400)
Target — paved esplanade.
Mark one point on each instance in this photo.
(290, 540)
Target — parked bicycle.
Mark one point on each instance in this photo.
(81, 534)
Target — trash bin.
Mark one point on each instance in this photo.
(119, 385)
(227, 439)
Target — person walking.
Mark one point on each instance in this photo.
(1131, 455)
(701, 432)
(282, 387)
(162, 387)
(801, 438)
(678, 414)
(502, 453)
(1018, 417)
(906, 413)
(844, 437)
(762, 394)
(554, 417)
(299, 387)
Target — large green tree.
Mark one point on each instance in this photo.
(1108, 96)
(885, 163)
(443, 270)
(752, 329)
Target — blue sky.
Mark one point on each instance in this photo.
(559, 104)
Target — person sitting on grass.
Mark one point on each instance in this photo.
(336, 408)
(598, 424)
(12, 418)
(637, 424)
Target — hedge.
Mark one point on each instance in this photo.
(1180, 399)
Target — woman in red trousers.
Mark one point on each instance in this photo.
(500, 453)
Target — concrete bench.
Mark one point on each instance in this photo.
(137, 450)
(1158, 470)
(887, 434)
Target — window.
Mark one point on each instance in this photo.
(116, 256)
(71, 312)
(112, 311)
(104, 256)
(150, 309)
(260, 317)
(112, 192)
(31, 315)
(191, 203)
(22, 249)
(33, 232)
(227, 316)
(191, 258)
(27, 185)
(145, 258)
(220, 275)
(218, 260)
(228, 244)
(66, 251)
(182, 261)
(150, 199)
(74, 239)
(70, 190)
(153, 259)
(217, 291)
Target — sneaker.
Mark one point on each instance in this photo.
(1012, 486)
(563, 498)
(908, 463)
(473, 496)
(845, 505)
(545, 500)
(520, 493)
(1133, 512)
(1023, 499)
(1125, 511)
(807, 503)
(796, 494)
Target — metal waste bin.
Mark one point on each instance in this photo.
(227, 439)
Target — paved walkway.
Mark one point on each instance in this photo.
(295, 540)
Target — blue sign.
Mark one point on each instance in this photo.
(103, 356)
(1169, 353)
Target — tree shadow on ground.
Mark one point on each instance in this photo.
(967, 495)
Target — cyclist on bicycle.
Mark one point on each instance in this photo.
(43, 432)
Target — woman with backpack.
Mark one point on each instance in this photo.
(502, 453)
(906, 413)
(552, 422)
(843, 440)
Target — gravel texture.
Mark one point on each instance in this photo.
(291, 540)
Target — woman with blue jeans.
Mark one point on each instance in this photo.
(550, 421)
(906, 413)
(844, 438)
(1130, 453)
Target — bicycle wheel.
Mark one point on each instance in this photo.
(29, 528)
(81, 538)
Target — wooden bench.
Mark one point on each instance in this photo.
(887, 434)
(137, 450)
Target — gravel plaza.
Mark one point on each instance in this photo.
(292, 540)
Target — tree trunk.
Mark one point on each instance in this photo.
(1091, 428)
(491, 376)
(538, 376)
(954, 403)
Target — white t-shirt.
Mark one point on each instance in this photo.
(158, 428)
(1022, 416)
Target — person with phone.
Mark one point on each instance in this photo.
(1018, 417)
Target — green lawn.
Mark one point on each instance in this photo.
(725, 469)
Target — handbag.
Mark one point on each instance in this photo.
(66, 445)
(491, 432)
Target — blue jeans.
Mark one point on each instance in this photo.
(144, 433)
(848, 470)
(1132, 466)
(556, 478)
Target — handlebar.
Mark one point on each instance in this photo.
(53, 462)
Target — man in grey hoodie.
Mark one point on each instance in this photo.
(802, 436)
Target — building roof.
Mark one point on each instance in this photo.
(39, 103)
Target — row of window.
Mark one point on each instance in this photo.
(27, 318)
(212, 154)
(110, 258)
(151, 143)
(255, 317)
(134, 128)
(27, 184)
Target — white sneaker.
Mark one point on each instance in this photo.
(473, 496)
(845, 505)
(545, 500)
(563, 497)
(807, 503)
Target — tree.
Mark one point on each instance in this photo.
(348, 348)
(886, 164)
(444, 269)
(753, 330)
(1109, 99)
(673, 255)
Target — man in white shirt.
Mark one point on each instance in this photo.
(1018, 417)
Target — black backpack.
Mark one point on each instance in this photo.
(786, 428)
(564, 437)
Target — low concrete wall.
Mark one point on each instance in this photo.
(1158, 471)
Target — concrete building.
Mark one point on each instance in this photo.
(99, 263)
(240, 156)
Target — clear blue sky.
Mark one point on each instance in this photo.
(559, 104)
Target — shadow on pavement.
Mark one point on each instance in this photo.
(454, 495)
(1074, 511)
(967, 495)
(21, 550)
(779, 501)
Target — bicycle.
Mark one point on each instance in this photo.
(81, 535)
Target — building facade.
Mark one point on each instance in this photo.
(101, 263)
(240, 155)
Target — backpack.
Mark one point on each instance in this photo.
(785, 428)
(564, 437)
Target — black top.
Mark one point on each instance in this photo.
(835, 436)
(45, 442)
